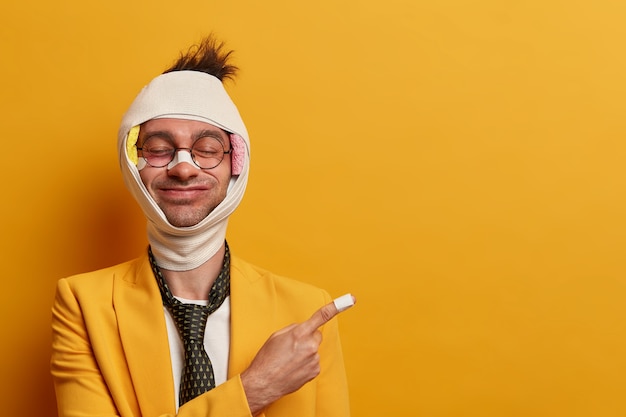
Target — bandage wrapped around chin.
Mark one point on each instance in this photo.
(189, 95)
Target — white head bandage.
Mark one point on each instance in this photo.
(196, 96)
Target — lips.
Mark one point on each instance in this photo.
(184, 189)
(182, 193)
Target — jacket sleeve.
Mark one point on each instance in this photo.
(327, 394)
(79, 385)
(82, 390)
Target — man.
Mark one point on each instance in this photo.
(183, 330)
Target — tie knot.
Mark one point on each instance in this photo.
(190, 320)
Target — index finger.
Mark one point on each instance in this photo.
(327, 312)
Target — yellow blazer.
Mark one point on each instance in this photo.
(110, 352)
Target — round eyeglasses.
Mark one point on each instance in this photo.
(206, 152)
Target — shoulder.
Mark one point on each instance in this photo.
(100, 279)
(283, 291)
(253, 273)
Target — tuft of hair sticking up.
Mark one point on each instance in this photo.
(209, 56)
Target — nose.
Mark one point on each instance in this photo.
(182, 165)
(181, 155)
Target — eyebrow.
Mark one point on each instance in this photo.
(161, 133)
(216, 133)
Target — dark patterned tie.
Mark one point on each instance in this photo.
(191, 320)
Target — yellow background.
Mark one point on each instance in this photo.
(457, 165)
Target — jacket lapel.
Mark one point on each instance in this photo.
(252, 315)
(143, 333)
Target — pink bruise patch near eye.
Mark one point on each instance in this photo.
(238, 156)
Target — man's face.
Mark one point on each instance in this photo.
(185, 193)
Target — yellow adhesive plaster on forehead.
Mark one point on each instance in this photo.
(131, 141)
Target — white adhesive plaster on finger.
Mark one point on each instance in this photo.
(344, 302)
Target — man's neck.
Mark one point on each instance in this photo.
(195, 284)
